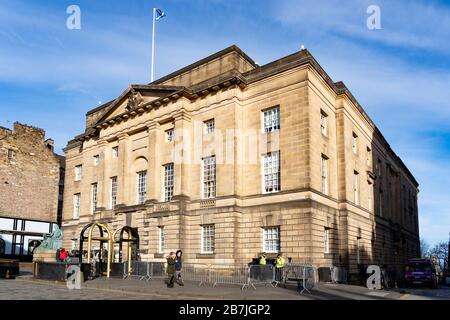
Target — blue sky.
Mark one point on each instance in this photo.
(50, 76)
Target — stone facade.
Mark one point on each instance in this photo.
(372, 220)
(31, 175)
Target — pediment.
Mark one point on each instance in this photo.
(133, 98)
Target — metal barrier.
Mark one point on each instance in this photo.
(304, 275)
(196, 273)
(244, 276)
(144, 270)
(263, 274)
(231, 276)
(338, 275)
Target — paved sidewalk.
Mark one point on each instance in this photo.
(22, 289)
(192, 290)
(156, 289)
(26, 287)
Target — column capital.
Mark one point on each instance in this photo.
(182, 115)
(122, 136)
(152, 126)
(102, 143)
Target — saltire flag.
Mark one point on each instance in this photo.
(159, 14)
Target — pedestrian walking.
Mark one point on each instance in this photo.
(178, 267)
(171, 270)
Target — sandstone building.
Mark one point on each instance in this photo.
(31, 186)
(226, 159)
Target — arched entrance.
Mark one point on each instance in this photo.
(104, 236)
(131, 240)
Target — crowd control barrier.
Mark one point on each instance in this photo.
(244, 276)
(304, 275)
(144, 270)
(263, 275)
(338, 275)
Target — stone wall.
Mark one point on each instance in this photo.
(29, 174)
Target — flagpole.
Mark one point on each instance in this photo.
(153, 44)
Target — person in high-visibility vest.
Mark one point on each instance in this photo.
(262, 265)
(262, 259)
(279, 265)
(279, 261)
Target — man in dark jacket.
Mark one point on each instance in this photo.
(171, 270)
(178, 267)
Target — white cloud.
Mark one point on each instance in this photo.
(418, 24)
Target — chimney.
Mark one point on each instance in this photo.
(50, 143)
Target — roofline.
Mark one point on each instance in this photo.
(100, 107)
(232, 48)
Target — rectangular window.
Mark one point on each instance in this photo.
(271, 172)
(323, 123)
(76, 205)
(209, 126)
(355, 143)
(142, 187)
(94, 191)
(113, 193)
(379, 168)
(10, 154)
(161, 240)
(370, 196)
(369, 157)
(209, 177)
(380, 204)
(168, 182)
(115, 152)
(324, 169)
(96, 160)
(74, 244)
(208, 239)
(78, 172)
(170, 135)
(326, 240)
(271, 239)
(356, 187)
(271, 119)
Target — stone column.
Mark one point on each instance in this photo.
(182, 155)
(154, 178)
(123, 170)
(103, 179)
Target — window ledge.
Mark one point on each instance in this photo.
(270, 193)
(206, 255)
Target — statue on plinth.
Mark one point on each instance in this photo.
(53, 241)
